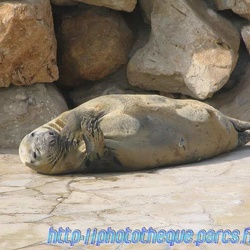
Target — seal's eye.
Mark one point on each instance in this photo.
(33, 134)
(34, 155)
(51, 133)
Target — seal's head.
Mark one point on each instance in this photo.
(45, 151)
(38, 149)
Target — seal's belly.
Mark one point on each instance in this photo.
(151, 139)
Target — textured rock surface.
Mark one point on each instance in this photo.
(240, 7)
(235, 102)
(114, 84)
(245, 33)
(25, 108)
(147, 8)
(182, 58)
(240, 68)
(125, 5)
(117, 83)
(212, 194)
(27, 44)
(93, 44)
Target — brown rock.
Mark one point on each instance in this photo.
(27, 44)
(26, 108)
(245, 33)
(93, 44)
(235, 102)
(187, 53)
(114, 84)
(240, 7)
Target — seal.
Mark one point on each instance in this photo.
(131, 132)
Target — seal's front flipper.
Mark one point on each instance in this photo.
(72, 128)
(93, 137)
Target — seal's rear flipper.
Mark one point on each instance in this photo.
(244, 131)
(240, 126)
(244, 138)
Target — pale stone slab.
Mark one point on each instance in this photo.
(212, 194)
(16, 235)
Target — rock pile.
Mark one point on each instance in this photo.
(86, 48)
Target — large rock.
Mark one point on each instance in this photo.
(27, 44)
(147, 8)
(191, 50)
(245, 33)
(240, 7)
(114, 84)
(125, 5)
(26, 108)
(235, 102)
(240, 68)
(93, 44)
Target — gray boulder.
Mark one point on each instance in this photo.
(25, 108)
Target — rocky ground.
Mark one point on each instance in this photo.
(212, 194)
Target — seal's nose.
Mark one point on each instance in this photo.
(50, 137)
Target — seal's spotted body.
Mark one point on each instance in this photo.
(131, 132)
